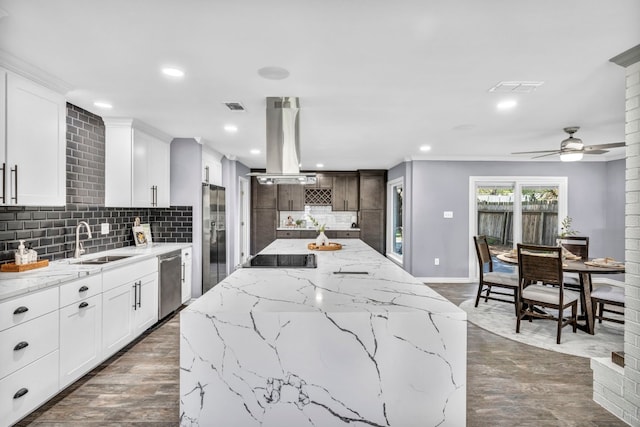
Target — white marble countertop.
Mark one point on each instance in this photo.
(321, 347)
(386, 287)
(58, 272)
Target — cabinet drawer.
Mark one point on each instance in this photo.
(28, 388)
(288, 234)
(27, 342)
(347, 234)
(28, 307)
(80, 289)
(128, 273)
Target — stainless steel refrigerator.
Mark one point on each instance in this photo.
(214, 254)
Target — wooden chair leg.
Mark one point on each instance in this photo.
(518, 316)
(515, 301)
(560, 316)
(486, 299)
(480, 285)
(600, 311)
(574, 316)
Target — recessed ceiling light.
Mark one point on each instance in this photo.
(255, 151)
(425, 148)
(273, 73)
(102, 104)
(506, 104)
(231, 128)
(319, 165)
(172, 72)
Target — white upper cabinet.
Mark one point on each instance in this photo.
(211, 167)
(136, 165)
(32, 143)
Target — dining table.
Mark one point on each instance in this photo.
(584, 269)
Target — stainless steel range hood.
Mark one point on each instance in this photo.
(283, 144)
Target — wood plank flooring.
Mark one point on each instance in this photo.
(509, 384)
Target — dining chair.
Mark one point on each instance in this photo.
(507, 283)
(542, 285)
(605, 294)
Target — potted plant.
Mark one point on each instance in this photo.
(322, 239)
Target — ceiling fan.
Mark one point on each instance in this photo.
(572, 149)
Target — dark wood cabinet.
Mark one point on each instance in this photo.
(323, 180)
(373, 197)
(290, 197)
(345, 192)
(372, 228)
(372, 190)
(288, 234)
(264, 215)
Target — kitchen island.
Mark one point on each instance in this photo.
(356, 341)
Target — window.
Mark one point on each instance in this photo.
(511, 210)
(395, 190)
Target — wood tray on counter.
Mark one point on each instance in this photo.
(12, 267)
(332, 246)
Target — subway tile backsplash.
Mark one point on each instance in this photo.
(51, 230)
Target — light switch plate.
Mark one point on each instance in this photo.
(448, 214)
(104, 228)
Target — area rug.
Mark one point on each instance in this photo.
(500, 319)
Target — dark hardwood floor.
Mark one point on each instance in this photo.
(509, 384)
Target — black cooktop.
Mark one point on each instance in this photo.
(282, 261)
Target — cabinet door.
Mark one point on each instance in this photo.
(263, 196)
(35, 144)
(263, 228)
(352, 196)
(186, 274)
(290, 197)
(372, 191)
(211, 168)
(117, 306)
(80, 338)
(372, 228)
(146, 307)
(158, 168)
(142, 187)
(3, 132)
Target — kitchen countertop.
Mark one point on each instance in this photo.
(312, 347)
(61, 271)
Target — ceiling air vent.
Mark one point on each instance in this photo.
(516, 87)
(234, 106)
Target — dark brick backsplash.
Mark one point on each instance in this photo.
(51, 230)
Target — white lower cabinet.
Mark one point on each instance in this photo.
(27, 388)
(129, 303)
(186, 274)
(80, 338)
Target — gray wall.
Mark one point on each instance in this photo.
(231, 171)
(596, 204)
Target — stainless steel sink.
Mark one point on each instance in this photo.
(103, 259)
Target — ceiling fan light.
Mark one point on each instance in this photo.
(572, 143)
(571, 157)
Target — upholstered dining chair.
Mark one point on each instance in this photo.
(579, 246)
(605, 294)
(542, 285)
(507, 283)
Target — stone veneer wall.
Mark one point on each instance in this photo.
(51, 230)
(618, 389)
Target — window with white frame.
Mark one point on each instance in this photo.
(395, 230)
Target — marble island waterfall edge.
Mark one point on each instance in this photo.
(308, 347)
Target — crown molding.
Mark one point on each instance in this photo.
(127, 122)
(33, 73)
(628, 57)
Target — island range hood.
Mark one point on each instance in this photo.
(283, 144)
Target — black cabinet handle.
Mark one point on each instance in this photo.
(83, 304)
(20, 310)
(183, 270)
(135, 295)
(20, 393)
(15, 183)
(20, 345)
(83, 288)
(139, 292)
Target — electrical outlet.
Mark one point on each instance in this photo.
(104, 228)
(448, 214)
(436, 261)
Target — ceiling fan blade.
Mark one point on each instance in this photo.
(535, 152)
(603, 146)
(595, 151)
(546, 155)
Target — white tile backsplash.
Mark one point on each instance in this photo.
(323, 214)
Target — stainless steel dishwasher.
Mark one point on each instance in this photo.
(169, 298)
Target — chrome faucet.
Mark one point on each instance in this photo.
(79, 249)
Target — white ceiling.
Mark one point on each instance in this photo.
(376, 78)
